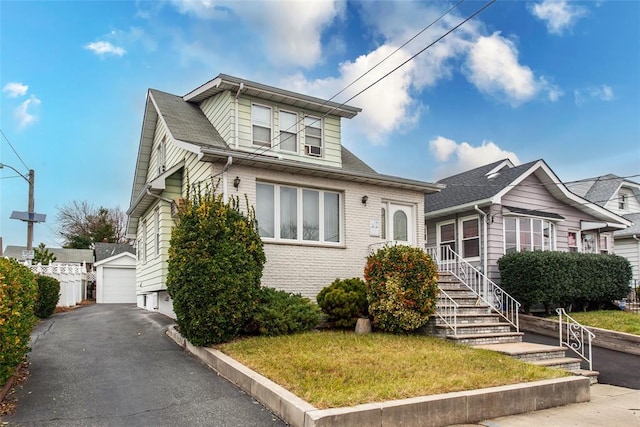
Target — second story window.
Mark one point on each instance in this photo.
(261, 125)
(622, 202)
(288, 131)
(162, 155)
(313, 136)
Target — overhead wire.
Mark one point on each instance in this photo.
(13, 148)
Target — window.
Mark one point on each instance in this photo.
(156, 215)
(528, 234)
(622, 201)
(298, 214)
(604, 244)
(470, 237)
(446, 235)
(400, 227)
(161, 154)
(143, 247)
(383, 223)
(313, 136)
(589, 243)
(572, 241)
(261, 125)
(288, 131)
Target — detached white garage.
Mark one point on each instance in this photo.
(116, 279)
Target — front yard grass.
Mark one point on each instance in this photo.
(334, 369)
(614, 320)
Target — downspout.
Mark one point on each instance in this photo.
(225, 193)
(484, 250)
(236, 141)
(164, 199)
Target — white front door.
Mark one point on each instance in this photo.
(398, 223)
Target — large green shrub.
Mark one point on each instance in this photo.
(344, 301)
(17, 297)
(48, 296)
(570, 280)
(215, 266)
(401, 284)
(280, 313)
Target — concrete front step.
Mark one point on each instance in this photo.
(592, 375)
(479, 339)
(565, 363)
(527, 352)
(473, 318)
(480, 328)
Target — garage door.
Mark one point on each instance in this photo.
(119, 285)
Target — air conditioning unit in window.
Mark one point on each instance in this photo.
(312, 150)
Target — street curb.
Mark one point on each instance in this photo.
(618, 341)
(425, 411)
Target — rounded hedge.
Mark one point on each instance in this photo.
(18, 292)
(402, 287)
(344, 301)
(48, 296)
(215, 266)
(280, 313)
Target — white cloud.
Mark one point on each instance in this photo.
(102, 48)
(14, 89)
(460, 157)
(558, 15)
(600, 93)
(23, 113)
(492, 66)
(290, 32)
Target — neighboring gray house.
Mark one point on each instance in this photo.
(622, 196)
(63, 255)
(498, 208)
(319, 207)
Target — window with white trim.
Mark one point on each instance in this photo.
(589, 241)
(604, 244)
(470, 244)
(522, 234)
(161, 154)
(313, 136)
(446, 236)
(290, 213)
(288, 131)
(572, 241)
(623, 201)
(143, 247)
(261, 125)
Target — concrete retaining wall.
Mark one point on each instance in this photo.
(437, 410)
(619, 341)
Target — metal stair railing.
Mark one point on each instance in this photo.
(575, 336)
(447, 311)
(484, 288)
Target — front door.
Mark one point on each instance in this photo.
(399, 223)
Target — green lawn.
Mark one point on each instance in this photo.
(614, 320)
(335, 369)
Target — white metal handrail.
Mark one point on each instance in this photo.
(576, 337)
(483, 287)
(447, 311)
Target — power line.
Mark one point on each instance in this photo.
(14, 150)
(258, 151)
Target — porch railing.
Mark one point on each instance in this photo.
(575, 336)
(483, 287)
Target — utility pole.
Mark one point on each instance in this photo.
(31, 211)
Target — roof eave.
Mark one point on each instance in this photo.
(459, 208)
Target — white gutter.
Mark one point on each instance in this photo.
(159, 197)
(225, 193)
(236, 112)
(484, 247)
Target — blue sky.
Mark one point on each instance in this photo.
(527, 80)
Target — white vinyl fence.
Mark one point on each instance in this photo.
(72, 277)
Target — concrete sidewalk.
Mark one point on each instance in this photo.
(609, 406)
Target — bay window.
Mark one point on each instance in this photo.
(523, 234)
(290, 213)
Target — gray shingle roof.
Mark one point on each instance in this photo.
(473, 185)
(63, 255)
(630, 231)
(186, 121)
(107, 250)
(600, 189)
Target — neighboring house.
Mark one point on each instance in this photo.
(499, 208)
(622, 196)
(63, 255)
(319, 208)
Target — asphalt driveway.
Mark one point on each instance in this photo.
(112, 365)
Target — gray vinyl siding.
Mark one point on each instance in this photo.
(629, 248)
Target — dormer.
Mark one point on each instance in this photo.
(257, 118)
(627, 199)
